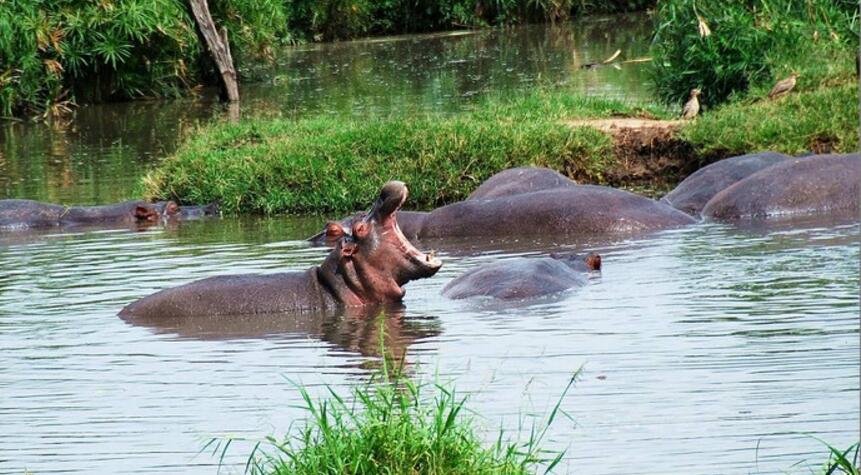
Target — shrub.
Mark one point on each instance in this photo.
(725, 48)
(116, 49)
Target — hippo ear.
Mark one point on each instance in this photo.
(142, 213)
(361, 229)
(334, 230)
(593, 261)
(171, 208)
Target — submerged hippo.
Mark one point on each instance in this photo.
(515, 181)
(524, 277)
(695, 191)
(817, 184)
(369, 266)
(29, 214)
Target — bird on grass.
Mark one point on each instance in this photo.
(783, 86)
(692, 107)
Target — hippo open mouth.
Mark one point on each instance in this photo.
(384, 211)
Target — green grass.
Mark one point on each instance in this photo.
(842, 462)
(395, 426)
(335, 164)
(793, 124)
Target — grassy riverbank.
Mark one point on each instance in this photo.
(336, 164)
(332, 164)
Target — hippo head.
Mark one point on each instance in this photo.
(374, 258)
(588, 263)
(152, 212)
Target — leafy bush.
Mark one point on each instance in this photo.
(52, 50)
(725, 48)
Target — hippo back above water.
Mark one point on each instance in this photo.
(692, 194)
(515, 181)
(817, 184)
(578, 209)
(524, 277)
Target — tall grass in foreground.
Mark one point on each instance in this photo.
(394, 426)
(842, 461)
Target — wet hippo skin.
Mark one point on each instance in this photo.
(813, 185)
(579, 209)
(524, 277)
(367, 267)
(515, 181)
(692, 194)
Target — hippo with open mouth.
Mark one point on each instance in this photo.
(368, 266)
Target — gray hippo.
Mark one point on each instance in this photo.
(29, 214)
(817, 184)
(524, 277)
(696, 190)
(573, 210)
(369, 266)
(505, 206)
(515, 181)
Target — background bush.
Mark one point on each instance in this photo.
(85, 50)
(752, 43)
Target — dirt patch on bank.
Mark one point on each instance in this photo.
(648, 151)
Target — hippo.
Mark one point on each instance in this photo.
(817, 184)
(696, 190)
(515, 181)
(29, 214)
(524, 277)
(367, 267)
(578, 209)
(410, 223)
(505, 206)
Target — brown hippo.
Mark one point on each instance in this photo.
(515, 181)
(29, 214)
(578, 209)
(524, 277)
(696, 190)
(369, 266)
(817, 184)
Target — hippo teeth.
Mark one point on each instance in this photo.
(431, 255)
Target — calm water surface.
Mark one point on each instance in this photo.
(705, 350)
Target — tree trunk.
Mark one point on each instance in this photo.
(219, 48)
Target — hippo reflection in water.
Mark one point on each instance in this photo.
(524, 277)
(369, 266)
(29, 214)
(531, 201)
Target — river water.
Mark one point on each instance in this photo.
(709, 349)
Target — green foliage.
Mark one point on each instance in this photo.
(810, 120)
(116, 49)
(725, 48)
(390, 425)
(328, 164)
